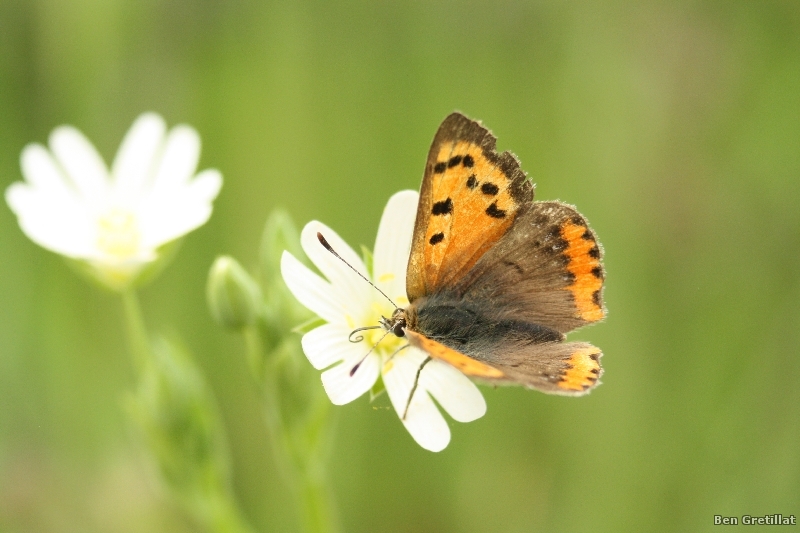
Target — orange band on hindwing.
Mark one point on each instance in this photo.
(587, 271)
(467, 365)
(583, 370)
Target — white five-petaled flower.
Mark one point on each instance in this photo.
(114, 222)
(347, 302)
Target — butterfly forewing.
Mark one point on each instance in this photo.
(469, 199)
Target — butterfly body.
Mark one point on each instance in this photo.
(496, 280)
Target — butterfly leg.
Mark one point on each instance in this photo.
(414, 387)
(397, 351)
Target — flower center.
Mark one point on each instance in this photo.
(118, 234)
(391, 342)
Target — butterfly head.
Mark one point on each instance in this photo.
(397, 323)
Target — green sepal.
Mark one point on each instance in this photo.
(369, 260)
(377, 389)
(308, 325)
(105, 278)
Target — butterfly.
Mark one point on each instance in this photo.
(495, 280)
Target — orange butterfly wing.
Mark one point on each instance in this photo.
(522, 273)
(469, 186)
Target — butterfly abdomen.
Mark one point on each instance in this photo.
(471, 330)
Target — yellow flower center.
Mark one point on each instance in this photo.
(118, 234)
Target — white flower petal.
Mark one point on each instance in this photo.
(179, 161)
(61, 227)
(311, 290)
(205, 186)
(423, 421)
(329, 344)
(354, 292)
(160, 223)
(172, 225)
(83, 165)
(343, 388)
(41, 171)
(393, 244)
(454, 391)
(164, 219)
(135, 159)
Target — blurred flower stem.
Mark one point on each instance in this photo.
(177, 417)
(138, 342)
(300, 453)
(297, 412)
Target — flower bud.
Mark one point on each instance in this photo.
(280, 234)
(234, 298)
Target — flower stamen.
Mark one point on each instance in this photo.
(118, 234)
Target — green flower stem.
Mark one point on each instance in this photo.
(218, 510)
(138, 340)
(227, 518)
(303, 467)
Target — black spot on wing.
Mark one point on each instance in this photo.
(456, 159)
(597, 272)
(436, 238)
(495, 212)
(468, 161)
(489, 189)
(513, 265)
(587, 235)
(472, 182)
(595, 252)
(596, 297)
(440, 167)
(445, 207)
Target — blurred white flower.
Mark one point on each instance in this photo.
(347, 302)
(114, 222)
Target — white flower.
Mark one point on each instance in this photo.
(346, 302)
(114, 222)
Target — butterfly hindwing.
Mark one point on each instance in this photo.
(470, 197)
(467, 365)
(571, 368)
(547, 270)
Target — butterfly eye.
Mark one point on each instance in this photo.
(398, 330)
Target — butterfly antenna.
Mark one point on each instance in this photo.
(328, 247)
(360, 337)
(355, 368)
(414, 388)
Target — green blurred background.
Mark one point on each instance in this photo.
(674, 127)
